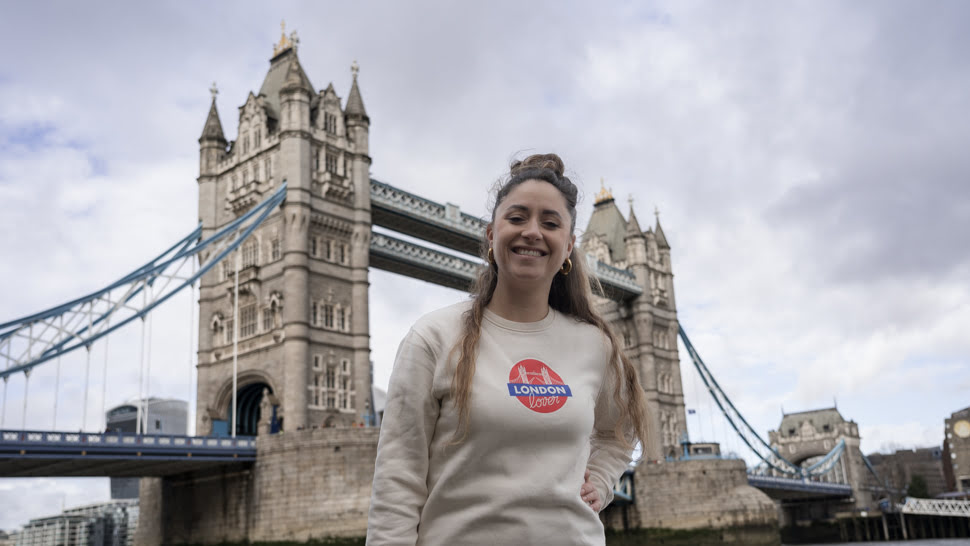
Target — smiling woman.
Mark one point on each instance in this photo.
(525, 384)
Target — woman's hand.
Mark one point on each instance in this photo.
(589, 494)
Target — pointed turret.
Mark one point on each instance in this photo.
(632, 225)
(659, 234)
(296, 78)
(213, 127)
(355, 104)
(608, 225)
(636, 243)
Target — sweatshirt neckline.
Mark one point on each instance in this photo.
(537, 326)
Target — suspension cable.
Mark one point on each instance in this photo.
(148, 368)
(188, 413)
(6, 378)
(87, 372)
(141, 367)
(23, 418)
(235, 341)
(57, 379)
(104, 380)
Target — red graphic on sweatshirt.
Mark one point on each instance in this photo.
(538, 387)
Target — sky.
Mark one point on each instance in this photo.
(807, 160)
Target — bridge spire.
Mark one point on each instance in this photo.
(659, 232)
(632, 225)
(355, 104)
(212, 130)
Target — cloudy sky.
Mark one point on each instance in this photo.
(808, 161)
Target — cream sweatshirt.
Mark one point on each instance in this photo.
(542, 411)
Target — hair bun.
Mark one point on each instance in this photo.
(551, 162)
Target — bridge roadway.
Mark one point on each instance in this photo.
(789, 489)
(25, 454)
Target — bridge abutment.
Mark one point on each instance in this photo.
(696, 495)
(305, 484)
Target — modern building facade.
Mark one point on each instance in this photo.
(158, 416)
(103, 524)
(956, 451)
(303, 344)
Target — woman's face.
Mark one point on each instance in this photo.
(531, 235)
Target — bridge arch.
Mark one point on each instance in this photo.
(250, 385)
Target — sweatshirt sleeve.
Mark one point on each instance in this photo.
(401, 471)
(608, 457)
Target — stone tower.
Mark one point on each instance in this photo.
(647, 325)
(806, 437)
(303, 348)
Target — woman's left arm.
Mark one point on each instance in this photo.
(609, 456)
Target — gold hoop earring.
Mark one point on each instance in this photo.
(567, 266)
(491, 257)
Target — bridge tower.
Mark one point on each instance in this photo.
(647, 325)
(805, 437)
(303, 341)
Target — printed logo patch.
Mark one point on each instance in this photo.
(538, 387)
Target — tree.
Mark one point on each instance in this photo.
(918, 488)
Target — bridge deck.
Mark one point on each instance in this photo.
(795, 489)
(38, 454)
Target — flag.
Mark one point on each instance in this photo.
(691, 412)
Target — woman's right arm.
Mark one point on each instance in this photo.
(401, 470)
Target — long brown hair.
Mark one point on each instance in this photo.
(570, 294)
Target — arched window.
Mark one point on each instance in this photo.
(250, 253)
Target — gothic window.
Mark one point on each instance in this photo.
(250, 253)
(328, 316)
(267, 319)
(340, 319)
(313, 313)
(627, 338)
(328, 249)
(245, 144)
(229, 331)
(268, 168)
(342, 253)
(330, 401)
(316, 160)
(313, 246)
(331, 376)
(345, 367)
(226, 269)
(275, 249)
(331, 160)
(330, 123)
(259, 138)
(317, 360)
(247, 320)
(316, 390)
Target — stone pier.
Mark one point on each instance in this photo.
(304, 484)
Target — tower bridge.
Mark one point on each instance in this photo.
(281, 260)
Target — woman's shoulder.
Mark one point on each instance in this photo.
(441, 324)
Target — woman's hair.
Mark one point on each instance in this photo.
(570, 294)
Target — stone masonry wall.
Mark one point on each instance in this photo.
(693, 495)
(305, 484)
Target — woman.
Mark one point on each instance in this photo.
(509, 417)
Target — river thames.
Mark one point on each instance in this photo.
(927, 542)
